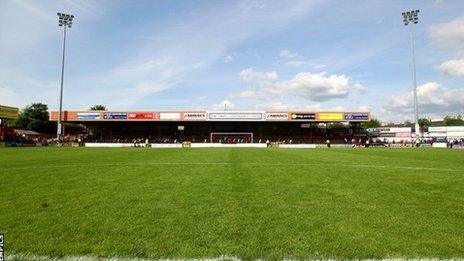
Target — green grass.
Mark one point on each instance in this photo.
(255, 203)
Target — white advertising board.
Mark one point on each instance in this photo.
(194, 116)
(297, 146)
(277, 116)
(108, 145)
(88, 115)
(169, 115)
(235, 116)
(166, 145)
(220, 145)
(439, 145)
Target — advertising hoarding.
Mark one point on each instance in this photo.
(194, 116)
(141, 115)
(7, 112)
(303, 116)
(88, 115)
(356, 116)
(115, 116)
(276, 116)
(169, 115)
(330, 116)
(235, 116)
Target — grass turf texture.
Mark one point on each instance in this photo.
(320, 203)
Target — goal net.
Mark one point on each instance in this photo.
(231, 137)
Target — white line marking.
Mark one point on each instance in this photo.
(232, 163)
(32, 257)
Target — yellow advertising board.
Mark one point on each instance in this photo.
(7, 112)
(331, 116)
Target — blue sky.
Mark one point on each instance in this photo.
(249, 55)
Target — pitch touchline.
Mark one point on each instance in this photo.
(235, 163)
(33, 257)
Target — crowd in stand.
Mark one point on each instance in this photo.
(16, 139)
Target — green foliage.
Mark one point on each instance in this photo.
(373, 123)
(34, 117)
(98, 107)
(267, 204)
(453, 121)
(406, 124)
(424, 124)
(72, 128)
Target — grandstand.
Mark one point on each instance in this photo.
(218, 126)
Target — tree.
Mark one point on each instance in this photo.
(34, 117)
(424, 124)
(373, 123)
(98, 107)
(453, 121)
(407, 123)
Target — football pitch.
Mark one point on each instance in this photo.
(244, 203)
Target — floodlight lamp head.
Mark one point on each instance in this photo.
(65, 19)
(410, 16)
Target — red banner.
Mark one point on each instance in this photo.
(141, 116)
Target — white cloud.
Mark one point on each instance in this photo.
(228, 58)
(149, 88)
(224, 105)
(317, 87)
(433, 99)
(292, 58)
(287, 106)
(287, 54)
(249, 76)
(360, 88)
(449, 35)
(452, 67)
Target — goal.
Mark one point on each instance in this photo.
(231, 137)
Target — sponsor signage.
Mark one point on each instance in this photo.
(330, 116)
(115, 116)
(140, 115)
(276, 116)
(88, 115)
(194, 116)
(298, 146)
(356, 116)
(303, 116)
(235, 116)
(7, 112)
(169, 115)
(403, 134)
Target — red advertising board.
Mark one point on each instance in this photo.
(141, 115)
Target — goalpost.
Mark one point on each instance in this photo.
(231, 137)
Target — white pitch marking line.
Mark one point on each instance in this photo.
(237, 163)
(32, 257)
